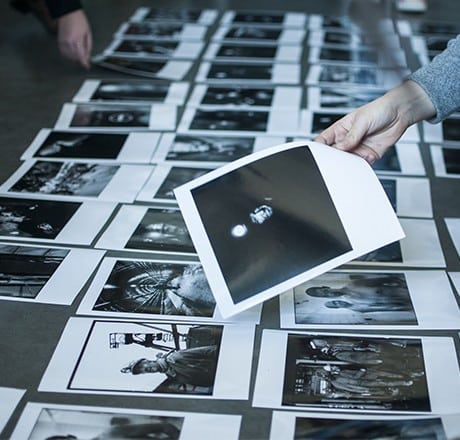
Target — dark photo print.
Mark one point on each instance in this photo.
(389, 186)
(231, 71)
(157, 288)
(391, 253)
(252, 33)
(348, 74)
(131, 91)
(103, 115)
(246, 51)
(354, 298)
(34, 218)
(161, 230)
(353, 429)
(61, 144)
(257, 18)
(134, 66)
(451, 158)
(24, 270)
(230, 120)
(385, 374)
(352, 55)
(269, 221)
(388, 162)
(66, 178)
(154, 30)
(183, 15)
(148, 48)
(176, 177)
(322, 120)
(451, 129)
(348, 98)
(238, 96)
(210, 148)
(51, 422)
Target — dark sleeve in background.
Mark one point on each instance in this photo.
(59, 8)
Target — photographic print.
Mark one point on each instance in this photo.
(420, 247)
(402, 159)
(107, 91)
(408, 28)
(151, 30)
(164, 179)
(117, 116)
(333, 74)
(52, 421)
(145, 49)
(238, 96)
(352, 39)
(446, 160)
(150, 229)
(345, 23)
(356, 373)
(67, 180)
(151, 358)
(37, 273)
(133, 65)
(447, 131)
(269, 18)
(340, 98)
(52, 220)
(267, 239)
(237, 121)
(371, 299)
(204, 17)
(133, 288)
(253, 53)
(310, 426)
(260, 34)
(97, 147)
(10, 397)
(219, 72)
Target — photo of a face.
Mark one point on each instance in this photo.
(355, 373)
(95, 115)
(354, 298)
(229, 120)
(240, 72)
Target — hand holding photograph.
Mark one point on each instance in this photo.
(283, 215)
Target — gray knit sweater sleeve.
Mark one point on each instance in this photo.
(441, 80)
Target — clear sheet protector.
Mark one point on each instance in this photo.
(237, 245)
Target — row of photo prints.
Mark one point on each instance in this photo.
(122, 159)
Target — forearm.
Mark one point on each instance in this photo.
(58, 8)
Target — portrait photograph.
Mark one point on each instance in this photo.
(151, 358)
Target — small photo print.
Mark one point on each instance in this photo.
(151, 30)
(162, 15)
(403, 159)
(258, 34)
(446, 160)
(340, 98)
(270, 18)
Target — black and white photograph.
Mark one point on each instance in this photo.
(205, 17)
(447, 131)
(313, 122)
(133, 65)
(250, 97)
(92, 147)
(132, 91)
(357, 373)
(224, 121)
(247, 73)
(70, 180)
(353, 39)
(52, 220)
(153, 49)
(446, 160)
(151, 30)
(268, 18)
(160, 186)
(36, 273)
(210, 150)
(407, 28)
(411, 251)
(260, 34)
(10, 398)
(165, 289)
(53, 421)
(333, 74)
(371, 300)
(345, 23)
(402, 159)
(148, 229)
(151, 358)
(253, 53)
(117, 116)
(310, 425)
(267, 241)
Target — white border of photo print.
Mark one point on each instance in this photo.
(237, 121)
(426, 313)
(84, 361)
(420, 247)
(436, 133)
(106, 270)
(279, 73)
(441, 166)
(75, 222)
(254, 18)
(47, 419)
(181, 31)
(117, 117)
(284, 424)
(64, 274)
(129, 218)
(439, 359)
(288, 97)
(220, 245)
(134, 147)
(175, 92)
(10, 397)
(205, 17)
(78, 180)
